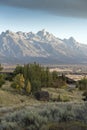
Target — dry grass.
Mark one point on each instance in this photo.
(9, 97)
(65, 94)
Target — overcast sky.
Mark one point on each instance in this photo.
(63, 18)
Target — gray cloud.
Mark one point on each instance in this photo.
(73, 8)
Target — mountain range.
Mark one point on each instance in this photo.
(42, 47)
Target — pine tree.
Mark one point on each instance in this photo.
(18, 70)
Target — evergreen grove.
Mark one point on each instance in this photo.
(31, 78)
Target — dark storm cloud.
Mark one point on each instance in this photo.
(73, 8)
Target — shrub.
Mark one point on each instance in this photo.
(42, 95)
(85, 93)
(2, 79)
(27, 86)
(82, 84)
(18, 82)
(46, 117)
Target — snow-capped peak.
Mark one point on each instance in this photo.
(42, 33)
(71, 39)
(46, 36)
(22, 45)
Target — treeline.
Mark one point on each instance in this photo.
(32, 77)
(2, 77)
(82, 85)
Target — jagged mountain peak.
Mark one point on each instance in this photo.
(45, 35)
(42, 33)
(20, 33)
(71, 42)
(7, 32)
(72, 39)
(28, 45)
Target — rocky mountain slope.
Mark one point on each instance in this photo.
(41, 47)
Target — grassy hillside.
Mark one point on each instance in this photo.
(10, 97)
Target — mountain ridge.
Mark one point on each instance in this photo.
(41, 47)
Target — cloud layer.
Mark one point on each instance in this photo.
(73, 8)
